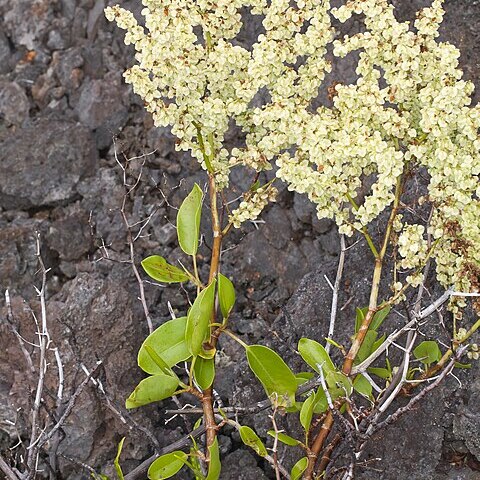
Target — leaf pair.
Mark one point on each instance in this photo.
(188, 232)
(160, 351)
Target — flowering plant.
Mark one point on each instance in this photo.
(407, 114)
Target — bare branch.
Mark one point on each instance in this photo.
(43, 336)
(336, 287)
(7, 470)
(411, 404)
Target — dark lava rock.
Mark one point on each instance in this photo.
(101, 107)
(14, 103)
(66, 65)
(70, 236)
(27, 23)
(241, 465)
(5, 54)
(43, 162)
(17, 254)
(466, 424)
(411, 447)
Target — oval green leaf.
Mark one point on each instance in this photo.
(276, 377)
(339, 384)
(167, 465)
(188, 221)
(152, 389)
(214, 465)
(317, 402)
(379, 317)
(315, 355)
(380, 372)
(306, 413)
(428, 352)
(362, 386)
(204, 372)
(284, 438)
(303, 377)
(299, 468)
(367, 346)
(360, 314)
(198, 319)
(226, 295)
(157, 268)
(252, 440)
(168, 342)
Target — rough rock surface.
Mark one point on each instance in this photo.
(43, 163)
(62, 101)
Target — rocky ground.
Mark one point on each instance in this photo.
(62, 101)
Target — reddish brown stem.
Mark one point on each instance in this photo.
(325, 460)
(207, 397)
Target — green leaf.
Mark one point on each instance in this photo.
(362, 386)
(463, 365)
(317, 402)
(338, 381)
(315, 355)
(196, 425)
(168, 342)
(321, 404)
(252, 440)
(274, 374)
(116, 462)
(303, 377)
(428, 352)
(167, 465)
(299, 468)
(379, 372)
(188, 221)
(152, 389)
(334, 343)
(198, 319)
(306, 412)
(214, 466)
(367, 346)
(204, 372)
(379, 317)
(255, 186)
(284, 438)
(226, 295)
(159, 362)
(376, 345)
(360, 317)
(157, 268)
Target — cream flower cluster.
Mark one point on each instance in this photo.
(409, 108)
(413, 248)
(190, 79)
(253, 205)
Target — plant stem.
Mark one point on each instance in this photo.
(364, 230)
(232, 335)
(207, 398)
(327, 425)
(195, 270)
